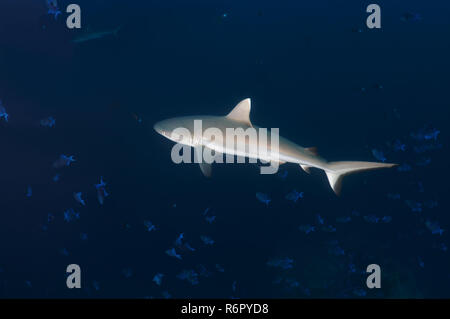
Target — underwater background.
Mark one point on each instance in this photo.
(311, 68)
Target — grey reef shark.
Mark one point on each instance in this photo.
(286, 152)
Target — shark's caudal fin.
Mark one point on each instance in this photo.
(337, 170)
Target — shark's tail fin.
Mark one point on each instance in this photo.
(337, 170)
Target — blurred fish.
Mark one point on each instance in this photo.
(294, 196)
(182, 244)
(189, 275)
(127, 272)
(96, 285)
(64, 252)
(219, 268)
(283, 263)
(3, 113)
(101, 191)
(320, 220)
(157, 279)
(63, 161)
(378, 86)
(434, 227)
(344, 220)
(96, 35)
(207, 240)
(359, 292)
(263, 198)
(355, 213)
(421, 262)
(399, 146)
(283, 174)
(335, 249)
(393, 196)
(430, 204)
(52, 7)
(79, 199)
(379, 155)
(386, 219)
(420, 187)
(49, 122)
(416, 207)
(307, 229)
(178, 241)
(70, 215)
(328, 229)
(371, 219)
(423, 161)
(419, 149)
(50, 218)
(210, 219)
(203, 272)
(396, 113)
(292, 283)
(29, 192)
(411, 17)
(166, 294)
(404, 168)
(136, 117)
(172, 253)
(149, 226)
(351, 268)
(425, 134)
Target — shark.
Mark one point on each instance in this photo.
(286, 152)
(96, 35)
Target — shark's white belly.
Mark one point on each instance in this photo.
(286, 152)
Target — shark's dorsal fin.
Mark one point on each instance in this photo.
(241, 112)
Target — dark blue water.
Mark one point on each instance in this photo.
(313, 69)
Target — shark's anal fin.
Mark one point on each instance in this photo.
(241, 112)
(206, 169)
(306, 168)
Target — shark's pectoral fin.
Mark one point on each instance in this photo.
(198, 157)
(206, 169)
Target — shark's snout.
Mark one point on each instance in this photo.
(158, 128)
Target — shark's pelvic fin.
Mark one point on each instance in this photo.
(337, 170)
(241, 112)
(198, 158)
(313, 151)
